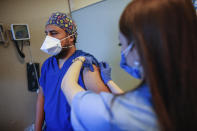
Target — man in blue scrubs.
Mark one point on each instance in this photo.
(52, 106)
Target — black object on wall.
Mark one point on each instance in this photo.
(33, 84)
(19, 50)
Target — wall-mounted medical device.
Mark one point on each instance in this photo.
(20, 32)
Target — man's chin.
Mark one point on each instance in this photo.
(63, 53)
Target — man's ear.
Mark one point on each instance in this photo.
(71, 40)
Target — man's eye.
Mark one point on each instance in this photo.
(54, 33)
(119, 44)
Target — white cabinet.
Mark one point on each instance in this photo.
(78, 4)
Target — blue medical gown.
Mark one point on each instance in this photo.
(56, 107)
(130, 112)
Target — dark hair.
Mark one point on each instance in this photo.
(75, 40)
(165, 33)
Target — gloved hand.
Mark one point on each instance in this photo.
(105, 70)
(89, 61)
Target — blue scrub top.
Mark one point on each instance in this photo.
(56, 108)
(130, 112)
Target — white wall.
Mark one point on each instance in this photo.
(98, 34)
(77, 4)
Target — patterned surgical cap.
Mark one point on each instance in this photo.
(64, 22)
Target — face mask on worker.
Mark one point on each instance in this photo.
(52, 46)
(136, 70)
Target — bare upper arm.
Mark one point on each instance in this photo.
(40, 91)
(40, 95)
(93, 81)
(39, 110)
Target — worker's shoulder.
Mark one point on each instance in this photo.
(133, 108)
(139, 96)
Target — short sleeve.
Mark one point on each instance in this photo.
(42, 79)
(90, 110)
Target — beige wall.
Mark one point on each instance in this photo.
(17, 104)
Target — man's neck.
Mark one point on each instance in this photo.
(64, 56)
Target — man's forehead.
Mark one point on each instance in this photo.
(53, 28)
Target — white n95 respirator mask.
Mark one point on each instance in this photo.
(52, 46)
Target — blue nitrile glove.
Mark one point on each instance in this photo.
(89, 61)
(105, 70)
